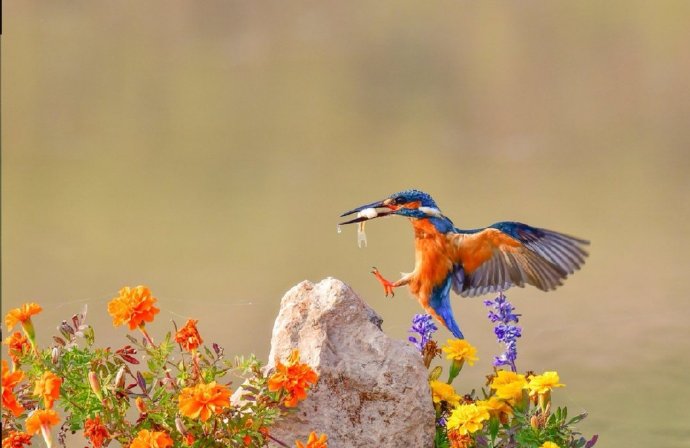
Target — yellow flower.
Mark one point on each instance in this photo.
(549, 445)
(48, 388)
(460, 350)
(313, 441)
(509, 386)
(441, 391)
(202, 400)
(134, 307)
(541, 384)
(495, 406)
(467, 418)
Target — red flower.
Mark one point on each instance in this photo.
(17, 346)
(188, 336)
(95, 431)
(9, 382)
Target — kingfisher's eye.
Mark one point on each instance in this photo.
(400, 200)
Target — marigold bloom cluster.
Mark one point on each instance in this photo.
(151, 439)
(133, 306)
(203, 400)
(9, 381)
(294, 378)
(188, 336)
(16, 439)
(467, 418)
(313, 441)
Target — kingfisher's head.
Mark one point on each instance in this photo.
(409, 203)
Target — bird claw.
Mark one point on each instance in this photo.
(387, 286)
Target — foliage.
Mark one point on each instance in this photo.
(172, 393)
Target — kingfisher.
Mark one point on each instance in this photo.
(471, 262)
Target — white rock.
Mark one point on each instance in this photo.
(372, 390)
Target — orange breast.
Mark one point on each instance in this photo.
(433, 262)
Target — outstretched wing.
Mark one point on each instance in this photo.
(511, 253)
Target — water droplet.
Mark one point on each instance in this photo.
(338, 229)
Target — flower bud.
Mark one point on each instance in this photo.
(179, 424)
(120, 378)
(95, 385)
(534, 422)
(55, 355)
(141, 406)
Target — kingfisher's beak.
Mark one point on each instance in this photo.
(370, 211)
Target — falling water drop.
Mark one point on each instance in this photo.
(338, 229)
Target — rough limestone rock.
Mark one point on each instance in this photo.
(372, 390)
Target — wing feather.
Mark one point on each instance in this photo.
(509, 254)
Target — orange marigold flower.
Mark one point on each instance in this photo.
(202, 400)
(48, 387)
(9, 382)
(42, 420)
(16, 439)
(313, 441)
(151, 439)
(294, 378)
(188, 336)
(133, 307)
(95, 431)
(21, 314)
(17, 346)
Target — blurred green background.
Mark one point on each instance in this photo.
(206, 149)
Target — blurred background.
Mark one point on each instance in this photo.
(206, 149)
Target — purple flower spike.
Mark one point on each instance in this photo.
(423, 325)
(501, 314)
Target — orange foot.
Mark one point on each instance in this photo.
(387, 286)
